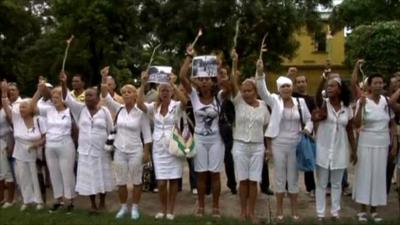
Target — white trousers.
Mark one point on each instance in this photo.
(323, 176)
(27, 178)
(285, 167)
(60, 160)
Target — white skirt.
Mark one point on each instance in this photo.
(370, 176)
(166, 166)
(94, 175)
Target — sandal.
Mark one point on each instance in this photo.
(375, 216)
(200, 212)
(159, 216)
(215, 213)
(362, 217)
(295, 218)
(280, 218)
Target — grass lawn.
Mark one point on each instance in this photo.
(79, 217)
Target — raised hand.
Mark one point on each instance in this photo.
(234, 55)
(63, 77)
(359, 63)
(190, 51)
(144, 77)
(105, 71)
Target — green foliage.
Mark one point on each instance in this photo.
(378, 44)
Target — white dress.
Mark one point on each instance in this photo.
(166, 166)
(94, 174)
(372, 152)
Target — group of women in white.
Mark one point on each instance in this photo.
(259, 132)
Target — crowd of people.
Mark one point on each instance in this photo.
(241, 125)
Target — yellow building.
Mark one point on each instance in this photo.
(314, 51)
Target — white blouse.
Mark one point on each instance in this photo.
(58, 124)
(249, 121)
(163, 124)
(93, 130)
(25, 137)
(206, 116)
(375, 127)
(333, 147)
(129, 126)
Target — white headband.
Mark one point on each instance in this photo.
(282, 80)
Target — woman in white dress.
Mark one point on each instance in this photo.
(210, 150)
(94, 174)
(29, 133)
(335, 143)
(374, 120)
(130, 124)
(165, 113)
(283, 135)
(59, 148)
(251, 119)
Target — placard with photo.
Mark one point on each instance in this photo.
(204, 66)
(159, 74)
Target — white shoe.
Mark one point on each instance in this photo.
(122, 212)
(23, 207)
(194, 191)
(159, 216)
(170, 216)
(7, 205)
(39, 206)
(135, 213)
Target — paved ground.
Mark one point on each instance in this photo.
(186, 202)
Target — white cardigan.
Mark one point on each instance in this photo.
(276, 104)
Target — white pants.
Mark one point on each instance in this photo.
(60, 160)
(128, 167)
(324, 175)
(209, 154)
(249, 159)
(28, 181)
(285, 167)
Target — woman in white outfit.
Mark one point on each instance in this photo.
(59, 148)
(94, 174)
(131, 124)
(168, 168)
(283, 135)
(335, 143)
(251, 119)
(373, 116)
(29, 137)
(210, 151)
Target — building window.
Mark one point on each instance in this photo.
(320, 42)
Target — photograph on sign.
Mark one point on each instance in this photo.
(159, 74)
(204, 66)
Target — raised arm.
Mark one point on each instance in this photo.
(360, 107)
(262, 89)
(40, 89)
(234, 77)
(393, 101)
(140, 100)
(183, 73)
(181, 96)
(4, 100)
(104, 73)
(355, 88)
(63, 82)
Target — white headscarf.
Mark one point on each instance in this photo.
(282, 80)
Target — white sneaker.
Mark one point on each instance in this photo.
(122, 212)
(39, 206)
(135, 213)
(170, 216)
(7, 205)
(194, 191)
(159, 216)
(23, 207)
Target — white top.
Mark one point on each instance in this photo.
(289, 127)
(5, 128)
(25, 137)
(276, 104)
(93, 130)
(44, 105)
(163, 124)
(129, 125)
(206, 116)
(333, 147)
(375, 127)
(58, 123)
(249, 121)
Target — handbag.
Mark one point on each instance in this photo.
(305, 149)
(181, 143)
(109, 146)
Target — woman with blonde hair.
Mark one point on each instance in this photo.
(131, 124)
(165, 113)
